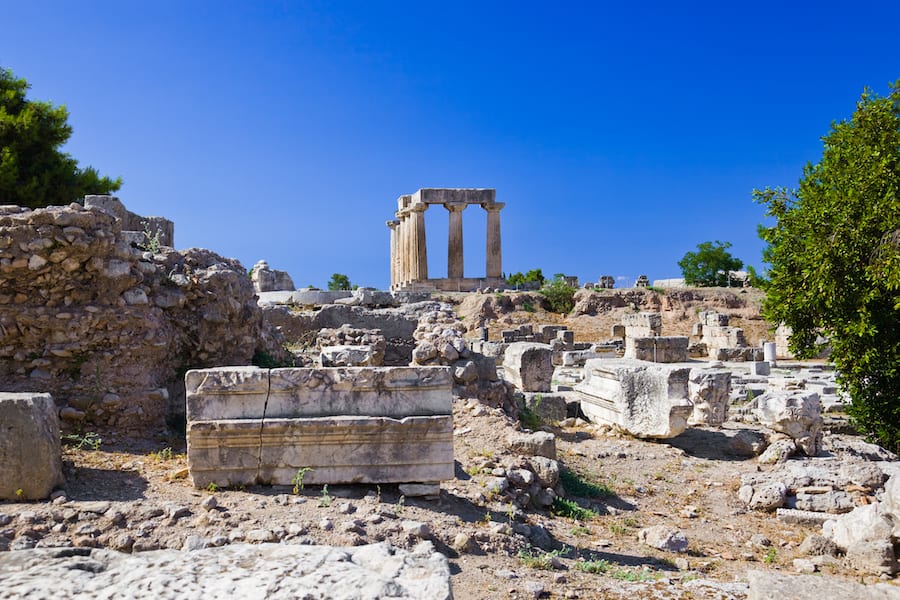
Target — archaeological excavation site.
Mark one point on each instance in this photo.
(176, 425)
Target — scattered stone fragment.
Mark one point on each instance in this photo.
(663, 537)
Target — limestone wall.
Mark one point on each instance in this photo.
(108, 328)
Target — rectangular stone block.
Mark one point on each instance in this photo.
(358, 449)
(528, 366)
(645, 399)
(30, 453)
(337, 449)
(226, 393)
(360, 391)
(348, 424)
(657, 349)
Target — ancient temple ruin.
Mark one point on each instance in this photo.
(409, 257)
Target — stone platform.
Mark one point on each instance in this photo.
(345, 424)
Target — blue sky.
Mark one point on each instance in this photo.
(619, 136)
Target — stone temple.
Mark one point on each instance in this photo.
(409, 257)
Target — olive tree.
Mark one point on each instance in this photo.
(834, 255)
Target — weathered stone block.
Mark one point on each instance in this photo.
(348, 356)
(657, 349)
(551, 408)
(645, 399)
(30, 454)
(710, 391)
(799, 415)
(643, 324)
(347, 424)
(528, 366)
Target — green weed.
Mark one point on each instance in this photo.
(568, 508)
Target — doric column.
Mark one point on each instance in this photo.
(494, 266)
(403, 249)
(394, 255)
(419, 249)
(455, 241)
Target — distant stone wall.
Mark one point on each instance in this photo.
(108, 328)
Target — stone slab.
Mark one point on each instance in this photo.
(765, 585)
(30, 452)
(252, 393)
(248, 572)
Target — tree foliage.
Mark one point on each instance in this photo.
(339, 281)
(560, 296)
(834, 253)
(33, 170)
(518, 279)
(709, 265)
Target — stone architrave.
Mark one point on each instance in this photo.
(347, 424)
(528, 366)
(710, 391)
(30, 453)
(797, 414)
(648, 400)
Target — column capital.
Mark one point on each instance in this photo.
(494, 206)
(420, 207)
(392, 224)
(455, 206)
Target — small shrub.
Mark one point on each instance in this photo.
(528, 307)
(560, 297)
(213, 487)
(326, 498)
(297, 480)
(530, 419)
(568, 508)
(151, 241)
(536, 559)
(78, 441)
(771, 557)
(577, 485)
(163, 455)
(580, 530)
(592, 566)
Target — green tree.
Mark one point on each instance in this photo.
(33, 170)
(834, 252)
(518, 279)
(709, 265)
(560, 296)
(339, 281)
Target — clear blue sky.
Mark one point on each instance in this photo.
(619, 136)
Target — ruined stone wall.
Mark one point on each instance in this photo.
(108, 328)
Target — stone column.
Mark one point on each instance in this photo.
(403, 249)
(394, 256)
(455, 242)
(494, 266)
(419, 250)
